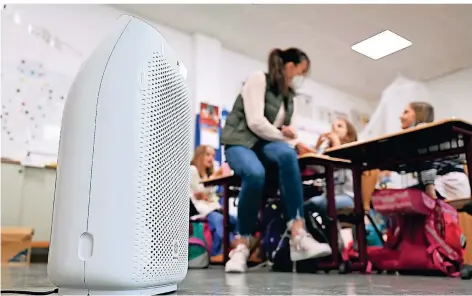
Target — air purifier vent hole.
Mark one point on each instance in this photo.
(164, 175)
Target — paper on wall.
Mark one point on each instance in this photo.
(210, 137)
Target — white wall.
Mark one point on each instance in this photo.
(452, 95)
(236, 67)
(215, 73)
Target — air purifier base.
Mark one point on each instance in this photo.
(151, 291)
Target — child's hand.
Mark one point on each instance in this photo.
(304, 149)
(431, 191)
(334, 139)
(200, 196)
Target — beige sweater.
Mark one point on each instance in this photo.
(253, 94)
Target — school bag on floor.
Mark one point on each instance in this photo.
(199, 245)
(275, 245)
(318, 225)
(424, 236)
(374, 231)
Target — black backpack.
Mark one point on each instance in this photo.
(318, 225)
(274, 237)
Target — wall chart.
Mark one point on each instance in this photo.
(32, 103)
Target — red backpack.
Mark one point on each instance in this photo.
(424, 235)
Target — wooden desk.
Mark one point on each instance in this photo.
(396, 151)
(51, 166)
(307, 159)
(425, 142)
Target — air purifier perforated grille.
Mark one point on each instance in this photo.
(163, 206)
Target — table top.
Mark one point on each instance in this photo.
(404, 144)
(52, 166)
(305, 159)
(321, 158)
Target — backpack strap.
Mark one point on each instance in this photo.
(350, 253)
(394, 233)
(196, 241)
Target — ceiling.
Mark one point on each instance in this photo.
(441, 37)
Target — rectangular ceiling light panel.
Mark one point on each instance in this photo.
(381, 45)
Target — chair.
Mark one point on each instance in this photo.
(369, 180)
(465, 221)
(466, 272)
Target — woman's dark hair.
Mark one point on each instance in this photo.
(276, 62)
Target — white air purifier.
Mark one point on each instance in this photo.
(121, 206)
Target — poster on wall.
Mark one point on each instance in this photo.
(338, 114)
(304, 105)
(209, 125)
(359, 119)
(323, 114)
(224, 116)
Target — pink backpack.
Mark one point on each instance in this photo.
(424, 236)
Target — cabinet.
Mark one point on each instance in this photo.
(27, 198)
(465, 221)
(11, 189)
(38, 199)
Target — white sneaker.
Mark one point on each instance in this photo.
(237, 262)
(304, 246)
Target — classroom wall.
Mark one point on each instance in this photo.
(36, 75)
(38, 72)
(31, 117)
(452, 95)
(215, 76)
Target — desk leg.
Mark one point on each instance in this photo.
(225, 223)
(359, 213)
(468, 157)
(330, 197)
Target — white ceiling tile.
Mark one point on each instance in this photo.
(441, 37)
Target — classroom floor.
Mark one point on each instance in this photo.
(215, 282)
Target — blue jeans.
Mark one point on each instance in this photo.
(215, 222)
(250, 165)
(342, 201)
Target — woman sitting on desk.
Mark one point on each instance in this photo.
(446, 178)
(204, 199)
(257, 133)
(342, 132)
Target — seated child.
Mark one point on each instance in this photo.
(205, 199)
(342, 132)
(446, 178)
